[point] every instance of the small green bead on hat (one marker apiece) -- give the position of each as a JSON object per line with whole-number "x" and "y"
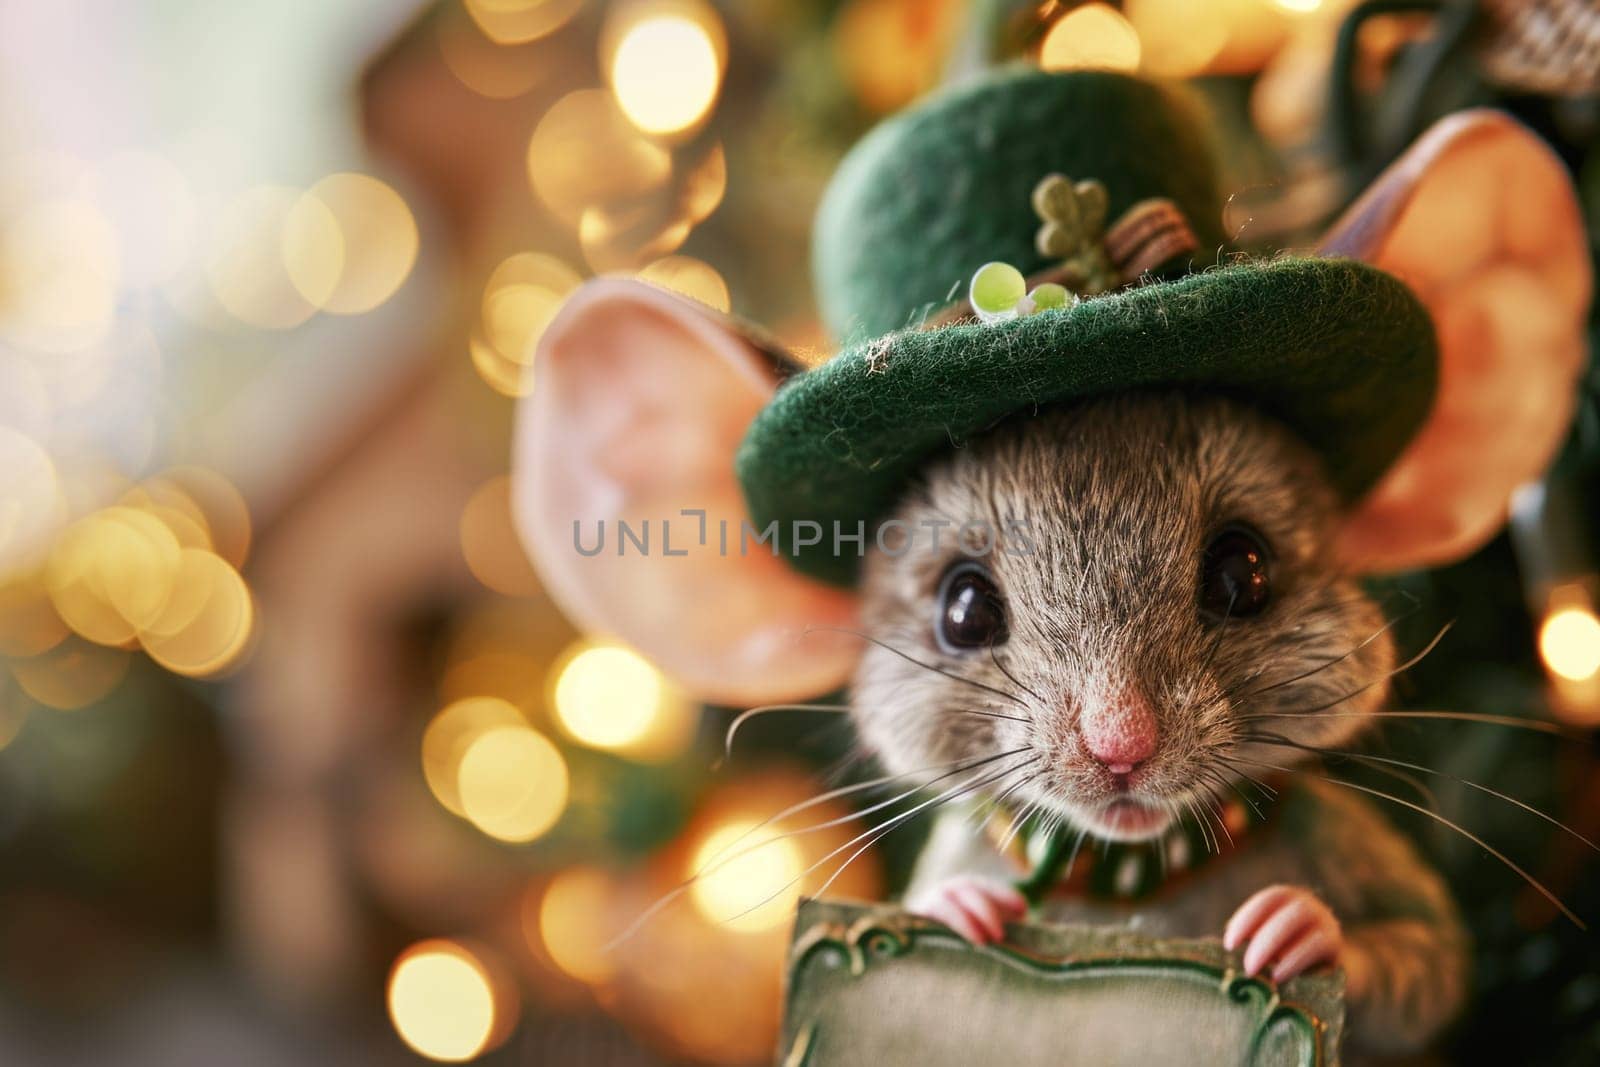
{"x": 1036, "y": 238}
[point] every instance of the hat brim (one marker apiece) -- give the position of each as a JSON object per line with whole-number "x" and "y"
{"x": 1340, "y": 352}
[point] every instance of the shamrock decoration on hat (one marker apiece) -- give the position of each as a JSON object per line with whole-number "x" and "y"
{"x": 1030, "y": 239}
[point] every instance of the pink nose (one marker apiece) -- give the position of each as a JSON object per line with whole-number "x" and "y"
{"x": 1121, "y": 733}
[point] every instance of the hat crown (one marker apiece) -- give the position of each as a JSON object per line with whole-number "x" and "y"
{"x": 935, "y": 192}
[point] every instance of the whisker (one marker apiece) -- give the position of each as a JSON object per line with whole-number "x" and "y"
{"x": 1407, "y": 665}
{"x": 1508, "y": 798}
{"x": 1539, "y": 725}
{"x": 717, "y": 864}
{"x": 1001, "y": 667}
{"x": 767, "y": 709}
{"x": 1216, "y": 776}
{"x": 1463, "y": 831}
{"x": 1374, "y": 762}
{"x": 952, "y": 768}
{"x": 1072, "y": 857}
{"x": 1266, "y": 790}
{"x": 1018, "y": 819}
{"x": 1385, "y": 628}
{"x": 989, "y": 714}
{"x": 1204, "y": 828}
{"x": 1001, "y": 799}
{"x": 881, "y": 831}
{"x": 925, "y": 666}
{"x": 1208, "y": 803}
{"x": 1222, "y": 628}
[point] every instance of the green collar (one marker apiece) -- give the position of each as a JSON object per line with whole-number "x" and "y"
{"x": 1063, "y": 859}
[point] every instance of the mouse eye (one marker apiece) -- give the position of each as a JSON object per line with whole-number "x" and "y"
{"x": 972, "y": 614}
{"x": 1233, "y": 575}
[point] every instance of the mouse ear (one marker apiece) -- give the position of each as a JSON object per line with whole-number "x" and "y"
{"x": 1480, "y": 219}
{"x": 641, "y": 399}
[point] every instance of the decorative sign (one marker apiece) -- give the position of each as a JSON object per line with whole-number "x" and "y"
{"x": 872, "y": 986}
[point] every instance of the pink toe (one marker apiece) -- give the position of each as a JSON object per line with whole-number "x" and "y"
{"x": 983, "y": 910}
{"x": 1252, "y": 913}
{"x": 1315, "y": 947}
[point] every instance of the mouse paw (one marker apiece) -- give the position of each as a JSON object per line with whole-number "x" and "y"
{"x": 1285, "y": 926}
{"x": 975, "y": 908}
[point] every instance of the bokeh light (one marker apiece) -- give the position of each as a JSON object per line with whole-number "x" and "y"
{"x": 72, "y": 675}
{"x": 135, "y": 563}
{"x": 29, "y": 624}
{"x": 1178, "y": 38}
{"x": 451, "y": 733}
{"x": 124, "y": 573}
{"x": 520, "y": 21}
{"x": 520, "y": 298}
{"x": 665, "y": 71}
{"x": 585, "y": 152}
{"x": 497, "y": 71}
{"x": 205, "y": 624}
{"x": 690, "y": 277}
{"x": 705, "y": 185}
{"x": 621, "y": 240}
{"x": 32, "y": 506}
{"x": 505, "y": 376}
{"x": 441, "y": 1001}
{"x": 274, "y": 257}
{"x": 749, "y": 878}
{"x": 571, "y": 920}
{"x": 611, "y": 698}
{"x": 489, "y": 541}
{"x": 208, "y": 496}
{"x": 1569, "y": 642}
{"x": 76, "y": 573}
{"x": 892, "y": 51}
{"x": 377, "y": 246}
{"x": 62, "y": 270}
{"x": 513, "y": 783}
{"x": 1094, "y": 36}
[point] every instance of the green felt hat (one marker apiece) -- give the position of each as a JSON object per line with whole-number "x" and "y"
{"x": 996, "y": 170}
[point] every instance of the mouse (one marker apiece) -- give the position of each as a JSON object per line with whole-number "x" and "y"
{"x": 1088, "y": 565}
{"x": 1168, "y": 634}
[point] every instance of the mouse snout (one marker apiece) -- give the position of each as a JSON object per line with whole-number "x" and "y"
{"x": 1120, "y": 733}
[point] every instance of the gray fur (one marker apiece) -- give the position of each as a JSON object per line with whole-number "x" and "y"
{"x": 1119, "y": 498}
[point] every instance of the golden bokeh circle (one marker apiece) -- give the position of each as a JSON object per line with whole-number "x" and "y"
{"x": 490, "y": 545}
{"x": 255, "y": 240}
{"x": 520, "y": 21}
{"x": 441, "y": 1001}
{"x": 585, "y": 152}
{"x": 1569, "y": 643}
{"x": 72, "y": 675}
{"x": 572, "y": 923}
{"x": 665, "y": 71}
{"x": 451, "y": 733}
{"x": 32, "y": 506}
{"x": 748, "y": 876}
{"x": 690, "y": 277}
{"x": 1093, "y": 37}
{"x": 375, "y": 252}
{"x": 206, "y": 624}
{"x": 62, "y": 273}
{"x": 513, "y": 783}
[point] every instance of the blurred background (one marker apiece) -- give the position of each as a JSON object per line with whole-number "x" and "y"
{"x": 297, "y": 762}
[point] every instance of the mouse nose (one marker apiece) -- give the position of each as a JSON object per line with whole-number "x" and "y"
{"x": 1121, "y": 733}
